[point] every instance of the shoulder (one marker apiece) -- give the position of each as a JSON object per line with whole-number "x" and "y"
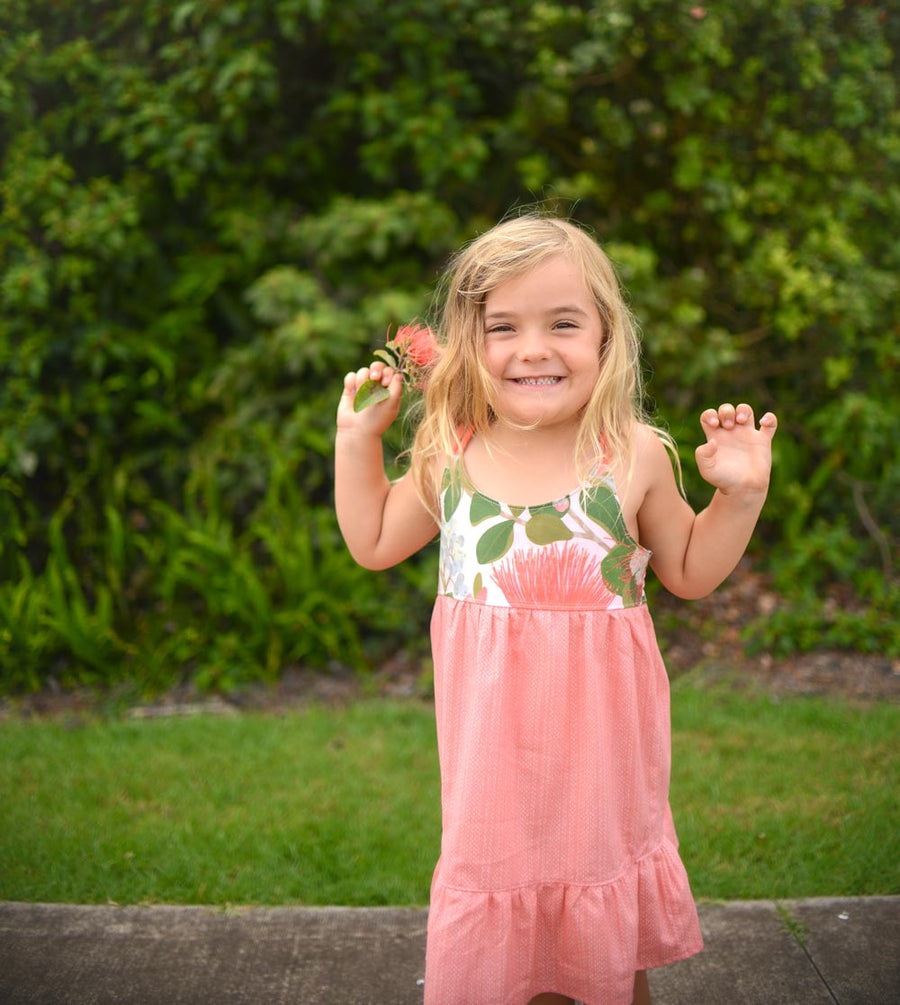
{"x": 640, "y": 469}
{"x": 654, "y": 467}
{"x": 650, "y": 437}
{"x": 652, "y": 452}
{"x": 428, "y": 476}
{"x": 661, "y": 505}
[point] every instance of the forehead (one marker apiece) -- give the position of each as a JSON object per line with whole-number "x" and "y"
{"x": 554, "y": 282}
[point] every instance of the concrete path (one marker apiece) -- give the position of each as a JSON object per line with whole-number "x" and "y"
{"x": 806, "y": 952}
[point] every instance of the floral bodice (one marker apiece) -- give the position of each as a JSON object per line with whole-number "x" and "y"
{"x": 572, "y": 553}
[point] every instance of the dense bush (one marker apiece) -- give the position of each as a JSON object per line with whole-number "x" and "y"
{"x": 211, "y": 209}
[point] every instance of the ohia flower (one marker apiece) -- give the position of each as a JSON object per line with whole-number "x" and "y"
{"x": 411, "y": 352}
{"x": 417, "y": 342}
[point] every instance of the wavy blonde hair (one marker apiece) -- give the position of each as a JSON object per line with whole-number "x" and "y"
{"x": 460, "y": 395}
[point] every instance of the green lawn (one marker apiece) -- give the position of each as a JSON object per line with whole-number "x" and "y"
{"x": 788, "y": 799}
{"x": 341, "y": 805}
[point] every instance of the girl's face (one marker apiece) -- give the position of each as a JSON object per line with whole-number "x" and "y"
{"x": 543, "y": 335}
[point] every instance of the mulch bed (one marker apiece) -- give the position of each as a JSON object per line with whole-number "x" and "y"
{"x": 705, "y": 642}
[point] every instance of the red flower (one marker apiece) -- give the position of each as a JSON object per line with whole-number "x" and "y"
{"x": 411, "y": 352}
{"x": 417, "y": 343}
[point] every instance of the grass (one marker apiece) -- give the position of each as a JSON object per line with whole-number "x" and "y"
{"x": 786, "y": 799}
{"x": 317, "y": 807}
{"x": 341, "y": 805}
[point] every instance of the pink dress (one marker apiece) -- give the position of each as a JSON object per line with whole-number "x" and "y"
{"x": 559, "y": 867}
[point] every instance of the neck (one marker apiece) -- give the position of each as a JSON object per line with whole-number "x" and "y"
{"x": 524, "y": 466}
{"x": 556, "y": 440}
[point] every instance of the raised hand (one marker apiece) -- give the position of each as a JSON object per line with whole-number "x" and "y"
{"x": 737, "y": 456}
{"x": 377, "y": 418}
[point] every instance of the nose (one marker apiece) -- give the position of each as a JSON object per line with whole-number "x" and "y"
{"x": 532, "y": 346}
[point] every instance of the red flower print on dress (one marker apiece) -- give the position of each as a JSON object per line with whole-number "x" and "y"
{"x": 555, "y": 575}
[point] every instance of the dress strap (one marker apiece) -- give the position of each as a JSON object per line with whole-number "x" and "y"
{"x": 463, "y": 438}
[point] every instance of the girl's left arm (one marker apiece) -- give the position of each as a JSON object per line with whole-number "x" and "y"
{"x": 694, "y": 553}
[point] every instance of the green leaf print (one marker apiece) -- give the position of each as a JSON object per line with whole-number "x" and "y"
{"x": 482, "y": 508}
{"x": 495, "y": 542}
{"x": 618, "y": 575}
{"x": 452, "y": 494}
{"x": 603, "y": 508}
{"x": 544, "y": 528}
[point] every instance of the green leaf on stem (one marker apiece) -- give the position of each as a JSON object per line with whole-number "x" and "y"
{"x": 389, "y": 356}
{"x": 369, "y": 393}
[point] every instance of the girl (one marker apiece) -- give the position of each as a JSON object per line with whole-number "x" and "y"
{"x": 559, "y": 876}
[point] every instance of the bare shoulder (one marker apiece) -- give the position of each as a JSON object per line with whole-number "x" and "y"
{"x": 651, "y": 457}
{"x": 663, "y": 516}
{"x": 643, "y": 469}
{"x": 434, "y": 469}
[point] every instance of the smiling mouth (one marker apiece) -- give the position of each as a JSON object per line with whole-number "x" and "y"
{"x": 536, "y": 381}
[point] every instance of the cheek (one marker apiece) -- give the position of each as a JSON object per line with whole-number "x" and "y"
{"x": 587, "y": 363}
{"x": 492, "y": 358}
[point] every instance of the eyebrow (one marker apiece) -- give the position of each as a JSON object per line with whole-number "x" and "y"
{"x": 563, "y": 309}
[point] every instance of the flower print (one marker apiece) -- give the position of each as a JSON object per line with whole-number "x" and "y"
{"x": 624, "y": 569}
{"x": 453, "y": 562}
{"x": 638, "y": 566}
{"x": 564, "y": 575}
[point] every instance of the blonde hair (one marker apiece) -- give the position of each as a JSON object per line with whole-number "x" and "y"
{"x": 460, "y": 395}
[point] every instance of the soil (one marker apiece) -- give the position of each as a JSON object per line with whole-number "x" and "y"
{"x": 706, "y": 642}
{"x": 702, "y": 639}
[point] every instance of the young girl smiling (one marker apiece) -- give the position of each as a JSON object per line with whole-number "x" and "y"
{"x": 559, "y": 877}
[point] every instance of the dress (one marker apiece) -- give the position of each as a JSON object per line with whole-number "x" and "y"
{"x": 559, "y": 867}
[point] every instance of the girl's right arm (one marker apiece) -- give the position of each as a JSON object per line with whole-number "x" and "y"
{"x": 382, "y": 522}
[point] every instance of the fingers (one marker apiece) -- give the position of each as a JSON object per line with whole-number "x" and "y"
{"x": 737, "y": 456}
{"x": 726, "y": 416}
{"x": 379, "y": 372}
{"x": 377, "y": 418}
{"x": 769, "y": 423}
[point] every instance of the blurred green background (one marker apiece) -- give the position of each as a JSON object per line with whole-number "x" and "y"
{"x": 210, "y": 210}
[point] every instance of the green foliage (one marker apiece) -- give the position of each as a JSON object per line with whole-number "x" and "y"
{"x": 209, "y": 211}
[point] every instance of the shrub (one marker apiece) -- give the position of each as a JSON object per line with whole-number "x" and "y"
{"x": 211, "y": 210}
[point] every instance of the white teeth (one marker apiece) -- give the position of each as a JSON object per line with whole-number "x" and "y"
{"x": 538, "y": 381}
